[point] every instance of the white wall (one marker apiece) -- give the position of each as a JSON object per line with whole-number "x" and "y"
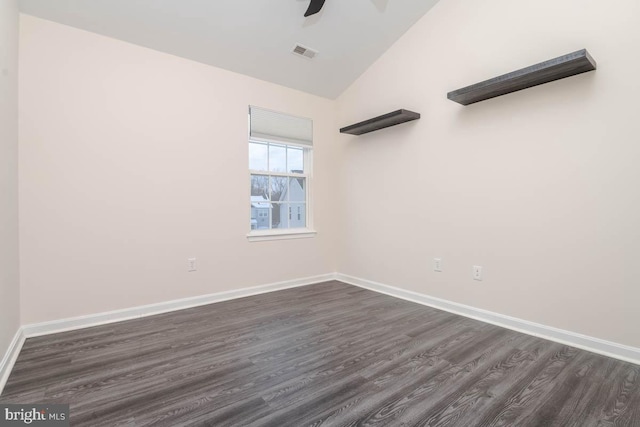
{"x": 132, "y": 161}
{"x": 9, "y": 265}
{"x": 539, "y": 187}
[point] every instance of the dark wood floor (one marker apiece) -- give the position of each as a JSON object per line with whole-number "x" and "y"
{"x": 328, "y": 354}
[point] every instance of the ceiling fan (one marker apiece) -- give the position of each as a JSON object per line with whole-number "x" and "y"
{"x": 314, "y": 7}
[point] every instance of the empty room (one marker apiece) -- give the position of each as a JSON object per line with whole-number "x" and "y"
{"x": 319, "y": 213}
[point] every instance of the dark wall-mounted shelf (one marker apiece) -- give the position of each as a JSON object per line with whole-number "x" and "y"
{"x": 544, "y": 72}
{"x": 381, "y": 122}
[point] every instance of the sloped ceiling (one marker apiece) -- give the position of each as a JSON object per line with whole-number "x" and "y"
{"x": 252, "y": 37}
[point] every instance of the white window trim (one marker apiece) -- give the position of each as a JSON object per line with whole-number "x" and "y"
{"x": 283, "y": 234}
{"x": 288, "y": 233}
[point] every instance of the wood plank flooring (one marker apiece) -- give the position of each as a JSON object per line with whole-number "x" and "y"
{"x": 322, "y": 355}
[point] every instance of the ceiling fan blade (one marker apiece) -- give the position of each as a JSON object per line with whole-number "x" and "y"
{"x": 314, "y": 7}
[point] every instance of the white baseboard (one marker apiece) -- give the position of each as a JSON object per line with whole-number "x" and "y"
{"x": 9, "y": 359}
{"x": 584, "y": 342}
{"x": 595, "y": 345}
{"x": 63, "y": 325}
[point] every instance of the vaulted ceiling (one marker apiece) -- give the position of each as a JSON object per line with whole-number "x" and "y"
{"x": 252, "y": 37}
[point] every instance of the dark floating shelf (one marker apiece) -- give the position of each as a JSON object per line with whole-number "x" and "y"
{"x": 544, "y": 72}
{"x": 381, "y": 122}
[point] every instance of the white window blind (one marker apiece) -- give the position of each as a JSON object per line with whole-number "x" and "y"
{"x": 273, "y": 126}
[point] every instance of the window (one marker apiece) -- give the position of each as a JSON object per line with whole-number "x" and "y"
{"x": 280, "y": 150}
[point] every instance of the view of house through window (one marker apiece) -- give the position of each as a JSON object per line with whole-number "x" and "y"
{"x": 279, "y": 163}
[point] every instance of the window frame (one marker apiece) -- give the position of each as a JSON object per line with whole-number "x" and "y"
{"x": 255, "y": 235}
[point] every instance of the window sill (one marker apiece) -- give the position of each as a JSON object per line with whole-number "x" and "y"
{"x": 300, "y": 233}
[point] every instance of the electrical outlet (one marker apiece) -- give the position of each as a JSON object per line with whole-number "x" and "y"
{"x": 477, "y": 272}
{"x": 191, "y": 264}
{"x": 437, "y": 264}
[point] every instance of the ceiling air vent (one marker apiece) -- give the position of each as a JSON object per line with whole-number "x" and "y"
{"x": 304, "y": 51}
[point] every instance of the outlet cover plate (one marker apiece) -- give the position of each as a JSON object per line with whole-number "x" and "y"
{"x": 477, "y": 272}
